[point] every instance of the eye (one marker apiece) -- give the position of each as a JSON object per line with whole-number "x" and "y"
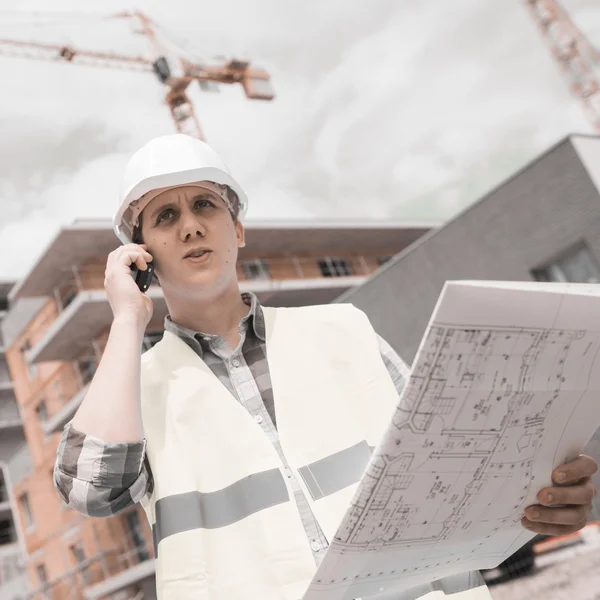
{"x": 164, "y": 213}
{"x": 203, "y": 201}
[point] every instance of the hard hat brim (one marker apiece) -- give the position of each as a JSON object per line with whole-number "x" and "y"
{"x": 179, "y": 178}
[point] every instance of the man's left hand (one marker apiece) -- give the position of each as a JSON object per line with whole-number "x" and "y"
{"x": 574, "y": 490}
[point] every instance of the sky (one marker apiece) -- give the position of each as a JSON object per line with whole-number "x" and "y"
{"x": 388, "y": 109}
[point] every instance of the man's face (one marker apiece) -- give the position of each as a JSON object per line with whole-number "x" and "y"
{"x": 186, "y": 218}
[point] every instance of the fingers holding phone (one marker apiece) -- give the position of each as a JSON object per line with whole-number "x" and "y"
{"x": 143, "y": 276}
{"x": 127, "y": 276}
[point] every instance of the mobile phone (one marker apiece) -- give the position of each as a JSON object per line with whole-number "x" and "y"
{"x": 143, "y": 279}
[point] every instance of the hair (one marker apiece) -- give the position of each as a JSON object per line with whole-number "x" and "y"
{"x": 138, "y": 238}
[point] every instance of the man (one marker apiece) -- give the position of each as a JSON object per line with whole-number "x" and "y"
{"x": 239, "y": 402}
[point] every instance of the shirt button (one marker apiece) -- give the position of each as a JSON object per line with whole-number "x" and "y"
{"x": 235, "y": 362}
{"x": 315, "y": 546}
{"x": 258, "y": 418}
{"x": 288, "y": 472}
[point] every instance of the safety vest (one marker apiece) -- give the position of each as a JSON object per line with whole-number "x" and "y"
{"x": 223, "y": 515}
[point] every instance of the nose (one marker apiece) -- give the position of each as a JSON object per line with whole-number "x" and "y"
{"x": 191, "y": 226}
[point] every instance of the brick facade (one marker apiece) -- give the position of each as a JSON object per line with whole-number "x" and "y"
{"x": 56, "y": 528}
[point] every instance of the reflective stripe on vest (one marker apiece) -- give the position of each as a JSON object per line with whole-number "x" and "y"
{"x": 337, "y": 471}
{"x": 198, "y": 510}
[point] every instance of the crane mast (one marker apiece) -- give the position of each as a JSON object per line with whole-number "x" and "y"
{"x": 575, "y": 56}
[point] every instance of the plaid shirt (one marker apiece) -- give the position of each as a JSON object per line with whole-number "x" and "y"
{"x": 101, "y": 479}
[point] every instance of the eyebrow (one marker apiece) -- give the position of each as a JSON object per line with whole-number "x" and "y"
{"x": 201, "y": 196}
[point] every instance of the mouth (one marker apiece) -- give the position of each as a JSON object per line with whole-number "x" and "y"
{"x": 198, "y": 253}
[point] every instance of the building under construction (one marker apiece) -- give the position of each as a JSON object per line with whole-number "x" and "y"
{"x": 55, "y": 333}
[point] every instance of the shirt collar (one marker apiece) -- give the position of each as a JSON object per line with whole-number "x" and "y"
{"x": 255, "y": 319}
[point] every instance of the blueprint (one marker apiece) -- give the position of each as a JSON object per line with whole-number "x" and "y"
{"x": 503, "y": 389}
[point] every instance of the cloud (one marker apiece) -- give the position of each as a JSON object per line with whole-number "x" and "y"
{"x": 427, "y": 108}
{"x": 42, "y": 160}
{"x": 20, "y": 244}
{"x": 383, "y": 109}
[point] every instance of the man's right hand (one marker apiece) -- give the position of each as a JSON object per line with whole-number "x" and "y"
{"x": 124, "y": 296}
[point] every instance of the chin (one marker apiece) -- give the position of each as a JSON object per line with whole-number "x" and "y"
{"x": 203, "y": 284}
{"x": 200, "y": 281}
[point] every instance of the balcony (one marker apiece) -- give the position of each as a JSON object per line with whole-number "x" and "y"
{"x": 128, "y": 577}
{"x": 13, "y": 589}
{"x": 289, "y": 281}
{"x": 89, "y": 571}
{"x": 302, "y": 281}
{"x": 14, "y": 582}
{"x": 20, "y": 464}
{"x": 10, "y": 417}
{"x": 96, "y": 577}
{"x": 6, "y": 385}
{"x": 73, "y": 389}
{"x": 282, "y": 282}
{"x": 82, "y": 320}
{"x": 300, "y": 292}
{"x": 135, "y": 563}
{"x": 105, "y": 565}
{"x": 71, "y": 384}
{"x": 5, "y": 507}
{"x": 57, "y": 422}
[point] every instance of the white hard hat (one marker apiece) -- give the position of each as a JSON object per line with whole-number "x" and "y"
{"x": 165, "y": 162}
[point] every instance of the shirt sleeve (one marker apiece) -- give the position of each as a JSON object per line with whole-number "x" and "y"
{"x": 100, "y": 479}
{"x": 397, "y": 368}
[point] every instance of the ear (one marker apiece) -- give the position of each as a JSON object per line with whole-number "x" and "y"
{"x": 240, "y": 233}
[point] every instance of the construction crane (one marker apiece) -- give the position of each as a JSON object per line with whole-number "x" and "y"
{"x": 175, "y": 77}
{"x": 573, "y": 53}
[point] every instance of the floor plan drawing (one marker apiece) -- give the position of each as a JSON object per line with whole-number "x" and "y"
{"x": 493, "y": 404}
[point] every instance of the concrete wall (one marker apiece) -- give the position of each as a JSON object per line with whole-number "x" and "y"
{"x": 588, "y": 150}
{"x": 548, "y": 207}
{"x": 527, "y": 221}
{"x": 19, "y": 316}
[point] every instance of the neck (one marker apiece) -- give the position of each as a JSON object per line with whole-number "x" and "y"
{"x": 219, "y": 315}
